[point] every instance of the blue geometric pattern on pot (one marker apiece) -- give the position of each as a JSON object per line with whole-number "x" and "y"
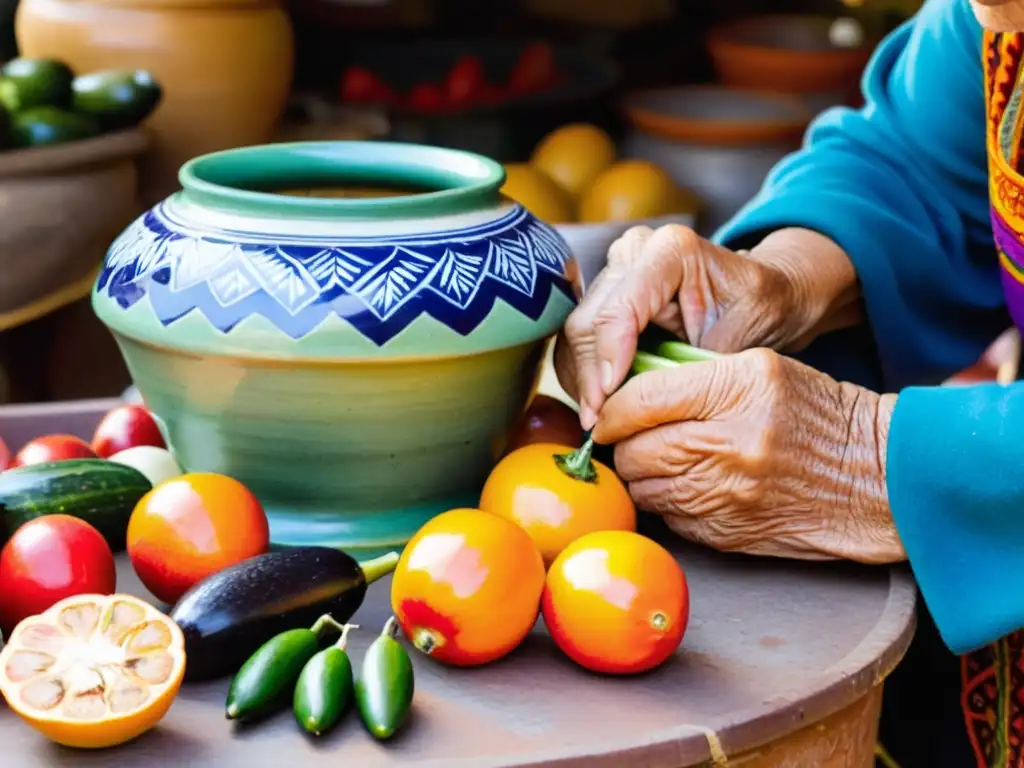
{"x": 378, "y": 285}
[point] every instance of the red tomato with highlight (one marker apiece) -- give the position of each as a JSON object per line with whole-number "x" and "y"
{"x": 362, "y": 86}
{"x": 52, "y": 448}
{"x": 48, "y": 559}
{"x": 127, "y": 426}
{"x": 535, "y": 69}
{"x": 465, "y": 82}
{"x": 616, "y": 602}
{"x": 192, "y": 527}
{"x": 5, "y": 455}
{"x": 547, "y": 420}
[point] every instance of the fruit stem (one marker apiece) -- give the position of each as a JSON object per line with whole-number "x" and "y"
{"x": 390, "y": 627}
{"x": 425, "y": 641}
{"x": 577, "y": 464}
{"x": 342, "y": 643}
{"x": 326, "y": 621}
{"x": 379, "y": 567}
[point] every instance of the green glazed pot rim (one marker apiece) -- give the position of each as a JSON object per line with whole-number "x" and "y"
{"x": 231, "y": 180}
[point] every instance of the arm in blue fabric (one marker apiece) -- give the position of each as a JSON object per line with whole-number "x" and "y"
{"x": 956, "y": 490}
{"x": 901, "y": 186}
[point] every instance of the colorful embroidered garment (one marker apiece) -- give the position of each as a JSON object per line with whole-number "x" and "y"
{"x": 993, "y": 678}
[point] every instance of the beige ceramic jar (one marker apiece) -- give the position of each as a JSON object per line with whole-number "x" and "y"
{"x": 225, "y": 66}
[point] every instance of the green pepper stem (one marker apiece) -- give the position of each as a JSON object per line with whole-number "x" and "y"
{"x": 342, "y": 643}
{"x": 324, "y": 622}
{"x": 578, "y": 464}
{"x": 379, "y": 567}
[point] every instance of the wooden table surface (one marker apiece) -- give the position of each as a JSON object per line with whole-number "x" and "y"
{"x": 773, "y": 647}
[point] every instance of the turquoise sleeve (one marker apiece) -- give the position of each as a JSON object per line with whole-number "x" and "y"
{"x": 955, "y": 475}
{"x": 902, "y": 186}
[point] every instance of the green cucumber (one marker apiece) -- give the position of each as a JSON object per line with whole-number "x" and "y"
{"x": 28, "y": 83}
{"x": 116, "y": 98}
{"x": 102, "y": 493}
{"x": 385, "y": 687}
{"x": 46, "y": 125}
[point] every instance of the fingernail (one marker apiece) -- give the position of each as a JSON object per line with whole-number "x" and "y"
{"x": 607, "y": 377}
{"x": 588, "y": 418}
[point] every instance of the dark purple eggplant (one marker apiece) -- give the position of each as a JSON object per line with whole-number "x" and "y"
{"x": 228, "y": 616}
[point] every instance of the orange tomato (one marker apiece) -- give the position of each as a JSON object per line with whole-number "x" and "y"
{"x": 191, "y": 527}
{"x": 467, "y": 589}
{"x": 616, "y": 602}
{"x": 532, "y": 488}
{"x": 547, "y": 420}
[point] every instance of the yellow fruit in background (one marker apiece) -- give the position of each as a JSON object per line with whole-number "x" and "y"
{"x": 634, "y": 189}
{"x": 574, "y": 155}
{"x": 537, "y": 193}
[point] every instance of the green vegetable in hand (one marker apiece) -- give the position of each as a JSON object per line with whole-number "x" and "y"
{"x": 325, "y": 688}
{"x": 385, "y": 687}
{"x": 266, "y": 681}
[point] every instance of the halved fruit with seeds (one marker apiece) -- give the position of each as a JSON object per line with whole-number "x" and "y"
{"x": 94, "y": 671}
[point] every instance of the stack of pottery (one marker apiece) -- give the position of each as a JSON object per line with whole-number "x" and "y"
{"x": 816, "y": 58}
{"x": 225, "y": 66}
{"x": 774, "y": 74}
{"x": 718, "y": 142}
{"x": 355, "y": 360}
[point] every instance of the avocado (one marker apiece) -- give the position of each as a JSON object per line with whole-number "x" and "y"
{"x": 116, "y": 98}
{"x": 28, "y": 83}
{"x": 41, "y": 126}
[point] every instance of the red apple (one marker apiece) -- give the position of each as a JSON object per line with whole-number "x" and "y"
{"x": 127, "y": 426}
{"x": 52, "y": 448}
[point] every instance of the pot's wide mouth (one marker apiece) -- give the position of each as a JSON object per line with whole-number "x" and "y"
{"x": 343, "y": 179}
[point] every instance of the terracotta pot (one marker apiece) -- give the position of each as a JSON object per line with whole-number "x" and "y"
{"x": 61, "y": 207}
{"x": 787, "y": 54}
{"x": 225, "y": 66}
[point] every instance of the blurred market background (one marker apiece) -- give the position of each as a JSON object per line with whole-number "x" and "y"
{"x": 694, "y": 100}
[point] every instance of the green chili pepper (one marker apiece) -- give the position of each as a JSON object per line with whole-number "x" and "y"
{"x": 266, "y": 680}
{"x": 324, "y": 690}
{"x": 385, "y": 687}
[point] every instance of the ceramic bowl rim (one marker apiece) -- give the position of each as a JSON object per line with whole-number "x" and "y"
{"x": 461, "y": 181}
{"x": 718, "y": 131}
{"x": 725, "y": 38}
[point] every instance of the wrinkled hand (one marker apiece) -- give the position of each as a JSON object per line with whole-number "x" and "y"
{"x": 757, "y": 453}
{"x": 780, "y": 295}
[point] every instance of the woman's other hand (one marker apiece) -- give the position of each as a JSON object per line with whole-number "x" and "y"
{"x": 793, "y": 286}
{"x": 758, "y": 453}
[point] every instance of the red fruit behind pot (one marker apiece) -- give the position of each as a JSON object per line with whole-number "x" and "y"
{"x": 48, "y": 559}
{"x": 52, "y": 448}
{"x": 535, "y": 70}
{"x": 547, "y": 420}
{"x": 5, "y": 455}
{"x": 465, "y": 82}
{"x": 127, "y": 426}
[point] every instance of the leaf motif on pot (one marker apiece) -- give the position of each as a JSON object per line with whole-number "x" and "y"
{"x": 232, "y": 285}
{"x": 198, "y": 260}
{"x": 284, "y": 278}
{"x": 394, "y": 281}
{"x": 379, "y": 285}
{"x": 511, "y": 260}
{"x": 458, "y": 277}
{"x": 333, "y": 267}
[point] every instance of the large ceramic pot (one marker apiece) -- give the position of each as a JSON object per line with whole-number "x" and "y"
{"x": 355, "y": 361}
{"x": 225, "y": 67}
